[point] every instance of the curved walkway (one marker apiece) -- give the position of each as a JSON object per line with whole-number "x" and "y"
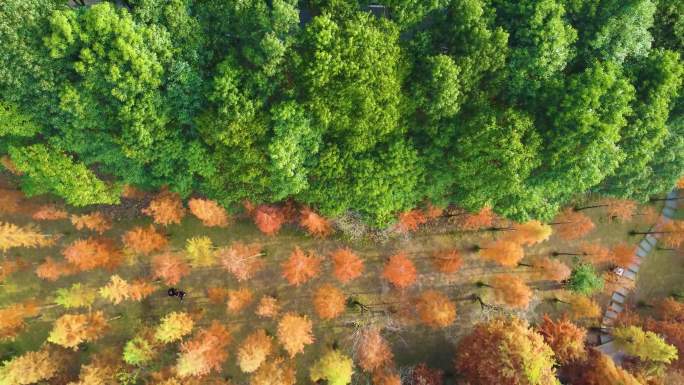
{"x": 618, "y": 299}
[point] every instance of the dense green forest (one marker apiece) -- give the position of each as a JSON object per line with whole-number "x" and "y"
{"x": 518, "y": 105}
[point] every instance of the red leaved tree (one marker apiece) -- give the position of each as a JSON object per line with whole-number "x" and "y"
{"x": 209, "y": 212}
{"x": 204, "y": 352}
{"x": 597, "y": 369}
{"x": 485, "y": 218}
{"x": 372, "y": 351}
{"x": 166, "y": 208}
{"x": 400, "y": 271}
{"x": 503, "y": 252}
{"x": 49, "y": 213}
{"x": 300, "y": 267}
{"x": 52, "y": 270}
{"x": 620, "y": 209}
{"x": 411, "y": 220}
{"x": 424, "y": 375}
{"x": 346, "y": 265}
{"x": 551, "y": 269}
{"x": 241, "y": 260}
{"x": 268, "y": 219}
{"x": 571, "y": 224}
{"x": 91, "y": 253}
{"x": 435, "y": 309}
{"x": 623, "y": 254}
{"x": 314, "y": 224}
{"x": 447, "y": 261}
{"x": 329, "y": 302}
{"x": 565, "y": 339}
{"x": 95, "y": 221}
{"x": 169, "y": 267}
{"x": 144, "y": 240}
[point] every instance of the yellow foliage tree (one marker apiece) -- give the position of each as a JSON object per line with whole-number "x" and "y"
{"x": 116, "y": 291}
{"x": 12, "y": 236}
{"x": 294, "y": 333}
{"x": 173, "y": 327}
{"x": 72, "y": 329}
{"x": 254, "y": 351}
{"x": 274, "y": 372}
{"x": 200, "y": 251}
{"x": 29, "y": 368}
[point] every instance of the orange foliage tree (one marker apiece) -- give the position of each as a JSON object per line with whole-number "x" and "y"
{"x": 329, "y": 302}
{"x": 12, "y": 235}
{"x": 346, "y": 265}
{"x": 372, "y": 351}
{"x": 623, "y": 254}
{"x": 95, "y": 221}
{"x": 72, "y": 329}
{"x": 423, "y": 375}
{"x": 268, "y": 307}
{"x": 239, "y": 299}
{"x": 268, "y": 219}
{"x": 400, "y": 271}
{"x": 386, "y": 376}
{"x": 116, "y": 291}
{"x": 169, "y": 267}
{"x": 10, "y": 266}
{"x": 91, "y": 253}
{"x": 166, "y": 208}
{"x": 503, "y": 252}
{"x": 204, "y": 352}
{"x": 571, "y": 224}
{"x": 511, "y": 290}
{"x": 314, "y": 224}
{"x": 294, "y": 333}
{"x": 564, "y": 337}
{"x": 529, "y": 233}
{"x": 620, "y": 209}
{"x": 551, "y": 269}
{"x": 144, "y": 240}
{"x": 410, "y": 220}
{"x": 300, "y": 267}
{"x": 13, "y": 318}
{"x": 502, "y": 352}
{"x": 29, "y": 368}
{"x": 447, "y": 261}
{"x": 435, "y": 309}
{"x": 141, "y": 289}
{"x": 52, "y": 270}
{"x": 254, "y": 351}
{"x": 483, "y": 219}
{"x": 217, "y": 295}
{"x": 579, "y": 306}
{"x": 432, "y": 211}
{"x": 209, "y": 212}
{"x": 49, "y": 213}
{"x": 274, "y": 372}
{"x": 241, "y": 260}
{"x": 672, "y": 233}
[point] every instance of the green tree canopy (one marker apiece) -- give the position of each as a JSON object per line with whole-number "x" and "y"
{"x": 585, "y": 280}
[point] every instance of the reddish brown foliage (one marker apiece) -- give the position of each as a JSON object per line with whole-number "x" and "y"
{"x": 9, "y": 267}
{"x": 571, "y": 224}
{"x": 91, "y": 253}
{"x": 423, "y": 375}
{"x": 483, "y": 219}
{"x": 294, "y": 333}
{"x": 166, "y": 208}
{"x": 329, "y": 302}
{"x": 623, "y": 254}
{"x": 144, "y": 240}
{"x": 552, "y": 269}
{"x": 300, "y": 267}
{"x": 435, "y": 309}
{"x": 49, "y": 213}
{"x": 410, "y": 220}
{"x": 346, "y": 265}
{"x": 433, "y": 212}
{"x": 598, "y": 369}
{"x": 140, "y": 289}
{"x": 52, "y": 270}
{"x": 12, "y": 318}
{"x": 669, "y": 309}
{"x": 241, "y": 260}
{"x": 274, "y": 372}
{"x": 268, "y": 307}
{"x": 565, "y": 339}
{"x": 512, "y": 291}
{"x": 204, "y": 352}
{"x": 595, "y": 252}
{"x": 268, "y": 219}
{"x": 315, "y": 224}
{"x": 529, "y": 233}
{"x": 447, "y": 261}
{"x": 620, "y": 209}
{"x": 505, "y": 253}
{"x": 209, "y": 212}
{"x": 94, "y": 221}
{"x": 672, "y": 233}
{"x": 10, "y": 201}
{"x": 239, "y": 299}
{"x": 673, "y": 333}
{"x": 386, "y": 376}
{"x": 400, "y": 271}
{"x": 372, "y": 351}
{"x": 169, "y": 267}
{"x": 217, "y": 295}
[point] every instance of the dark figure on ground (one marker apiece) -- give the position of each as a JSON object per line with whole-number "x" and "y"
{"x": 173, "y": 292}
